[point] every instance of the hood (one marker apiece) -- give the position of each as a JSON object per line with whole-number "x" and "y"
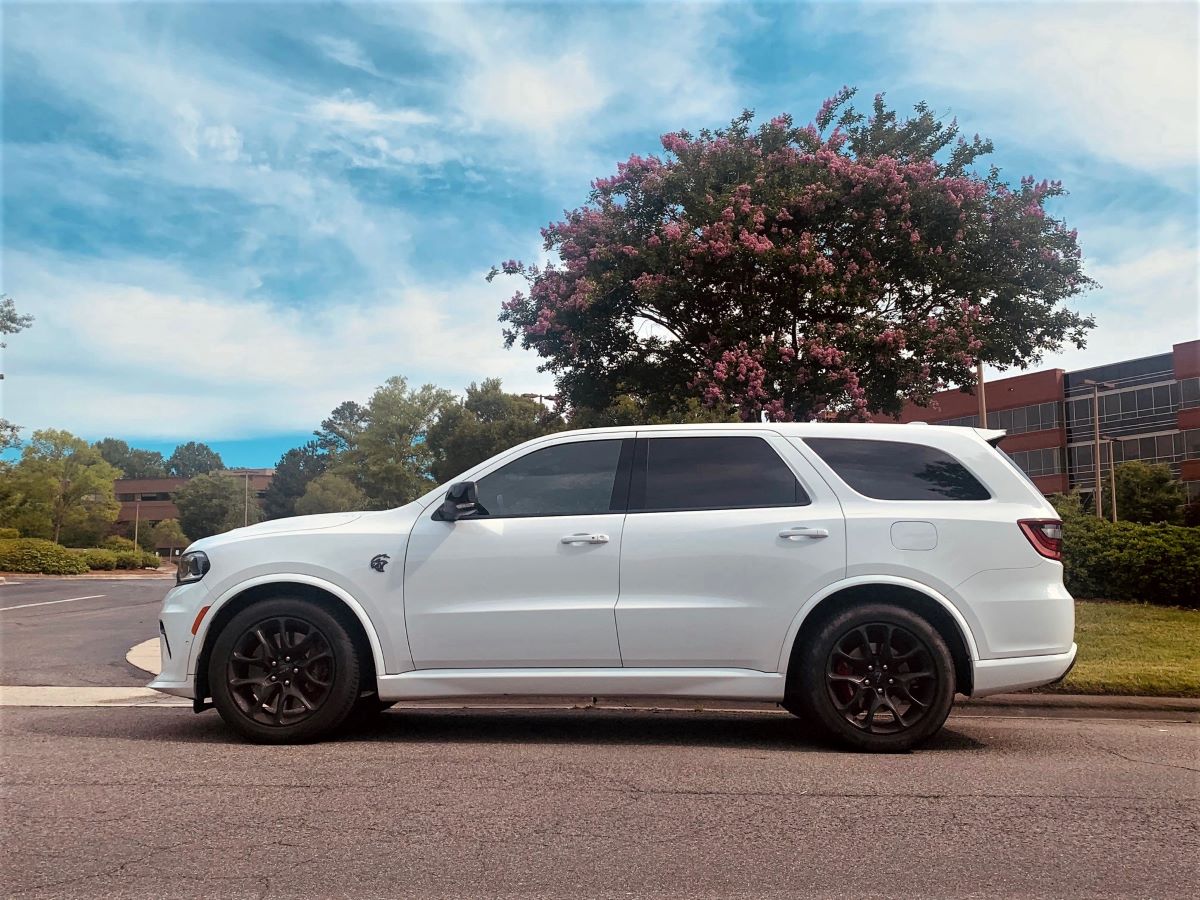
{"x": 280, "y": 526}
{"x": 298, "y": 523}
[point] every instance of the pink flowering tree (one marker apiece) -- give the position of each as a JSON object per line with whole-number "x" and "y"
{"x": 831, "y": 270}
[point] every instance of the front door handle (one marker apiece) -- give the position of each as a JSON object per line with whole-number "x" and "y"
{"x": 584, "y": 538}
{"x": 792, "y": 534}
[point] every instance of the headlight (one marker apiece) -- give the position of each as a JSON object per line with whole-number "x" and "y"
{"x": 193, "y": 566}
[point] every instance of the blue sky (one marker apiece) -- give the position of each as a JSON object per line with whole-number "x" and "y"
{"x": 228, "y": 219}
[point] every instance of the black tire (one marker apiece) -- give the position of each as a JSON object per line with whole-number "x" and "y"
{"x": 859, "y": 677}
{"x": 307, "y": 697}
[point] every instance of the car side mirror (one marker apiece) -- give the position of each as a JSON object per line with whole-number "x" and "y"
{"x": 462, "y": 500}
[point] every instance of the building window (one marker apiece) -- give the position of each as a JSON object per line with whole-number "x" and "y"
{"x": 1046, "y": 461}
{"x": 1190, "y": 391}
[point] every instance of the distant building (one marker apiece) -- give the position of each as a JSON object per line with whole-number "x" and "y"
{"x": 1149, "y": 410}
{"x": 149, "y": 501}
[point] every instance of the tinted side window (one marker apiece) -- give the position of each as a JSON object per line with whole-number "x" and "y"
{"x": 564, "y": 480}
{"x": 891, "y": 470}
{"x": 713, "y": 473}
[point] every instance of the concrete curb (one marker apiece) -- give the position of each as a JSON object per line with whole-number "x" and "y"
{"x": 108, "y": 575}
{"x": 1086, "y": 701}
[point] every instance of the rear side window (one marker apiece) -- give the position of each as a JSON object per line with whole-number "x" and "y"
{"x": 711, "y": 473}
{"x": 891, "y": 470}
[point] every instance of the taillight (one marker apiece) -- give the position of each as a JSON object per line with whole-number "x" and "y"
{"x": 1045, "y": 535}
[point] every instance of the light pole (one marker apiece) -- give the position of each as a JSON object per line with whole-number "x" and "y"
{"x": 1098, "y": 492}
{"x": 1112, "y": 473}
{"x": 981, "y": 393}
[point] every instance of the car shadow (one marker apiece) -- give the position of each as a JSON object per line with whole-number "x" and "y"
{"x": 760, "y": 731}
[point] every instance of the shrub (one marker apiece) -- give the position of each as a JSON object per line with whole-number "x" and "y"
{"x": 1157, "y": 564}
{"x": 9, "y": 534}
{"x": 137, "y": 559}
{"x": 117, "y": 543}
{"x": 129, "y": 559}
{"x": 36, "y": 556}
{"x": 99, "y": 559}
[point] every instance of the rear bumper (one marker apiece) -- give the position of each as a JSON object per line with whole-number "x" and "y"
{"x": 995, "y": 676}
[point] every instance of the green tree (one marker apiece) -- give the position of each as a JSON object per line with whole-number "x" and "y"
{"x": 1149, "y": 493}
{"x": 830, "y": 270}
{"x": 339, "y": 432}
{"x": 390, "y": 459}
{"x": 329, "y": 493}
{"x": 293, "y": 473}
{"x": 63, "y": 489}
{"x": 10, "y": 323}
{"x": 132, "y": 462}
{"x": 213, "y": 503}
{"x": 169, "y": 533}
{"x": 192, "y": 459}
{"x": 487, "y": 421}
{"x": 627, "y": 410}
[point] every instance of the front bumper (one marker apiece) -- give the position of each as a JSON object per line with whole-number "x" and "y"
{"x": 175, "y": 639}
{"x": 995, "y": 676}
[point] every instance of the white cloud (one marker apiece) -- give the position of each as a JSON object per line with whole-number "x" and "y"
{"x": 148, "y": 352}
{"x": 346, "y": 52}
{"x": 1114, "y": 81}
{"x": 365, "y": 114}
{"x": 537, "y": 96}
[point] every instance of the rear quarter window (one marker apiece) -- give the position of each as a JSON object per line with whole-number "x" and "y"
{"x": 895, "y": 470}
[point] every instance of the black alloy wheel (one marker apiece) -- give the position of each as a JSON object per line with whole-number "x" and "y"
{"x": 285, "y": 670}
{"x": 877, "y": 677}
{"x": 281, "y": 671}
{"x": 881, "y": 678}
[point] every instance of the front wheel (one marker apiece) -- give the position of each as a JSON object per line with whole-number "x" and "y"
{"x": 283, "y": 671}
{"x": 876, "y": 677}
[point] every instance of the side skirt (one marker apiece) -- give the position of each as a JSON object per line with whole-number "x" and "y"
{"x": 724, "y": 684}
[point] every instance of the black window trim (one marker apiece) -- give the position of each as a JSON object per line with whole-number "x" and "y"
{"x": 637, "y": 490}
{"x": 624, "y": 467}
{"x": 991, "y": 496}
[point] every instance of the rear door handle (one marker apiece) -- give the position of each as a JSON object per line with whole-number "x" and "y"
{"x": 584, "y": 538}
{"x": 792, "y": 534}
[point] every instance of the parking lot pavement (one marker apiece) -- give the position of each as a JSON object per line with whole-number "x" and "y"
{"x": 76, "y": 631}
{"x": 553, "y": 803}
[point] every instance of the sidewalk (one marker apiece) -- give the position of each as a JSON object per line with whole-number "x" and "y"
{"x": 104, "y": 575}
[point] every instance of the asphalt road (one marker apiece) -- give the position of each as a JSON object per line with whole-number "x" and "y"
{"x": 163, "y": 803}
{"x": 159, "y": 802}
{"x": 80, "y": 642}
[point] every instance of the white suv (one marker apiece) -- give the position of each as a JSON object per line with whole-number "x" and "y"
{"x": 860, "y": 575}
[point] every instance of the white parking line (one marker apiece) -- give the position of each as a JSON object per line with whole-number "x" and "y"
{"x": 49, "y": 602}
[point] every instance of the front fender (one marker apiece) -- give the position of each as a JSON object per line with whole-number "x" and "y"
{"x": 287, "y": 578}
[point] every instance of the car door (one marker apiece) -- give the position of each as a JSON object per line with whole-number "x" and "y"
{"x": 728, "y": 534}
{"x": 532, "y": 580}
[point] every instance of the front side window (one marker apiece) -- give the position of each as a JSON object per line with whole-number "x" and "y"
{"x": 575, "y": 479}
{"x": 892, "y": 470}
{"x": 682, "y": 473}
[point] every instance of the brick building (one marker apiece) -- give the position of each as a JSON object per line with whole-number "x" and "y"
{"x": 1149, "y": 410}
{"x": 151, "y": 500}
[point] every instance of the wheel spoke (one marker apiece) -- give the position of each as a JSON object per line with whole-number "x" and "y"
{"x": 284, "y": 643}
{"x": 269, "y": 649}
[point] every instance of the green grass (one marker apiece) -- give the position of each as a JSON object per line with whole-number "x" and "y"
{"x": 1135, "y": 648}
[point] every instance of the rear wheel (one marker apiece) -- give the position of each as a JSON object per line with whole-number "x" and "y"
{"x": 284, "y": 670}
{"x": 876, "y": 677}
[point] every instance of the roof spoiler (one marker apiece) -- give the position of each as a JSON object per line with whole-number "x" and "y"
{"x": 992, "y": 435}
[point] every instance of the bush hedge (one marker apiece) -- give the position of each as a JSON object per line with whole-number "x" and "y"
{"x": 1157, "y": 564}
{"x": 117, "y": 543}
{"x": 9, "y": 534}
{"x": 35, "y": 556}
{"x": 104, "y": 560}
